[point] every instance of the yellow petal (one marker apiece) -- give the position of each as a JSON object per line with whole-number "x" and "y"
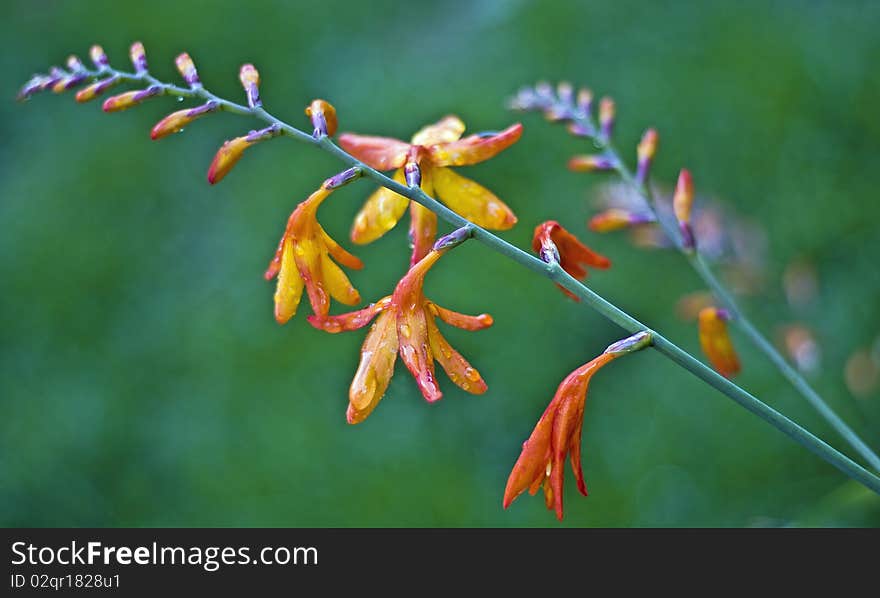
{"x": 383, "y": 210}
{"x": 290, "y": 286}
{"x": 446, "y": 130}
{"x": 376, "y": 367}
{"x": 337, "y": 282}
{"x": 471, "y": 200}
{"x": 457, "y": 367}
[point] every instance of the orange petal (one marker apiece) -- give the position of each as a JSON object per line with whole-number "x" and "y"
{"x": 376, "y": 367}
{"x": 350, "y": 321}
{"x": 446, "y": 130}
{"x": 573, "y": 254}
{"x": 422, "y": 231}
{"x": 412, "y": 334}
{"x": 471, "y": 200}
{"x": 531, "y": 465}
{"x": 453, "y": 318}
{"x": 339, "y": 254}
{"x": 381, "y": 153}
{"x": 474, "y": 149}
{"x": 715, "y": 341}
{"x": 380, "y": 213}
{"x": 307, "y": 254}
{"x": 457, "y": 368}
{"x": 288, "y": 290}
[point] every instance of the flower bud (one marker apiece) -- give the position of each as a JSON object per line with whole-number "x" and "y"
{"x": 98, "y": 56}
{"x": 585, "y": 102}
{"x": 323, "y": 116}
{"x": 138, "y": 57}
{"x": 682, "y": 201}
{"x": 614, "y": 219}
{"x": 630, "y": 344}
{"x": 412, "y": 174}
{"x": 715, "y": 341}
{"x": 187, "y": 70}
{"x": 231, "y": 151}
{"x": 35, "y": 84}
{"x": 95, "y": 89}
{"x": 126, "y": 100}
{"x": 76, "y": 76}
{"x": 343, "y": 178}
{"x": 606, "y": 117}
{"x": 174, "y": 122}
{"x": 250, "y": 80}
{"x": 590, "y": 163}
{"x": 646, "y": 150}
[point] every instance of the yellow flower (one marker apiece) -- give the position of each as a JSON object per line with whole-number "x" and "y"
{"x": 432, "y": 150}
{"x": 302, "y": 260}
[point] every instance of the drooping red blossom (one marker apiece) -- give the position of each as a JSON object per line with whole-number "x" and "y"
{"x": 574, "y": 256}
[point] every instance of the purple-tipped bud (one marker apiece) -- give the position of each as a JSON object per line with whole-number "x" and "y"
{"x": 187, "y": 69}
{"x": 263, "y": 134}
{"x": 585, "y": 102}
{"x": 525, "y": 99}
{"x": 639, "y": 340}
{"x": 455, "y": 238}
{"x": 413, "y": 174}
{"x": 98, "y": 56}
{"x": 35, "y": 84}
{"x": 343, "y": 178}
{"x": 74, "y": 64}
{"x": 723, "y": 314}
{"x": 606, "y": 117}
{"x": 250, "y": 80}
{"x": 646, "y": 151}
{"x": 138, "y": 57}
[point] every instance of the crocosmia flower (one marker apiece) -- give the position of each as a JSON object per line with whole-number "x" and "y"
{"x": 302, "y": 260}
{"x": 558, "y": 433}
{"x": 573, "y": 256}
{"x": 433, "y": 150}
{"x": 405, "y": 325}
{"x": 716, "y": 343}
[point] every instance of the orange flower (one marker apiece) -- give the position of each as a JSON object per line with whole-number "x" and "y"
{"x": 302, "y": 260}
{"x": 231, "y": 151}
{"x": 433, "y": 149}
{"x": 323, "y": 116}
{"x": 715, "y": 341}
{"x": 558, "y": 433}
{"x": 552, "y": 242}
{"x": 405, "y": 325}
{"x": 128, "y": 99}
{"x": 176, "y": 121}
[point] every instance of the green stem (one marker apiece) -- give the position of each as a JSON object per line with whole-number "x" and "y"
{"x": 552, "y": 271}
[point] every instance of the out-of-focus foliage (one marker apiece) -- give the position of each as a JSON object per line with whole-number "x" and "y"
{"x": 144, "y": 381}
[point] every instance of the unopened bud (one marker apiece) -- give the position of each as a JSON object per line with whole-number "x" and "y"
{"x": 187, "y": 69}
{"x": 630, "y": 344}
{"x": 126, "y": 100}
{"x": 646, "y": 151}
{"x": 682, "y": 202}
{"x": 590, "y": 163}
{"x": 176, "y": 121}
{"x": 455, "y": 238}
{"x": 413, "y": 174}
{"x": 616, "y": 218}
{"x": 98, "y": 56}
{"x": 97, "y": 88}
{"x": 606, "y": 117}
{"x": 138, "y": 57}
{"x": 323, "y": 116}
{"x": 343, "y": 178}
{"x": 250, "y": 80}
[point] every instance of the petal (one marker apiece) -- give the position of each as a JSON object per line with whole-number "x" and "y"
{"x": 351, "y": 321}
{"x": 471, "y": 200}
{"x": 457, "y": 368}
{"x": 574, "y": 451}
{"x": 383, "y": 210}
{"x": 529, "y": 469}
{"x": 307, "y": 254}
{"x": 376, "y": 367}
{"x": 339, "y": 254}
{"x": 474, "y": 148}
{"x": 288, "y": 290}
{"x": 381, "y": 153}
{"x": 422, "y": 231}
{"x": 337, "y": 282}
{"x": 453, "y": 318}
{"x": 412, "y": 334}
{"x": 446, "y": 130}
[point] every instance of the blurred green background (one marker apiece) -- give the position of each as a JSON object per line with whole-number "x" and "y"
{"x": 144, "y": 382}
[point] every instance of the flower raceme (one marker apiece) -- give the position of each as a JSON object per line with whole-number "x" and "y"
{"x": 302, "y": 260}
{"x": 541, "y": 463}
{"x": 555, "y": 244}
{"x": 429, "y": 155}
{"x": 405, "y": 325}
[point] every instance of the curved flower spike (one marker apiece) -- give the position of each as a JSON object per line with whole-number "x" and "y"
{"x": 405, "y": 325}
{"x": 302, "y": 260}
{"x": 176, "y": 121}
{"x": 574, "y": 256}
{"x": 323, "y": 116}
{"x": 432, "y": 150}
{"x": 558, "y": 433}
{"x": 715, "y": 341}
{"x": 231, "y": 151}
